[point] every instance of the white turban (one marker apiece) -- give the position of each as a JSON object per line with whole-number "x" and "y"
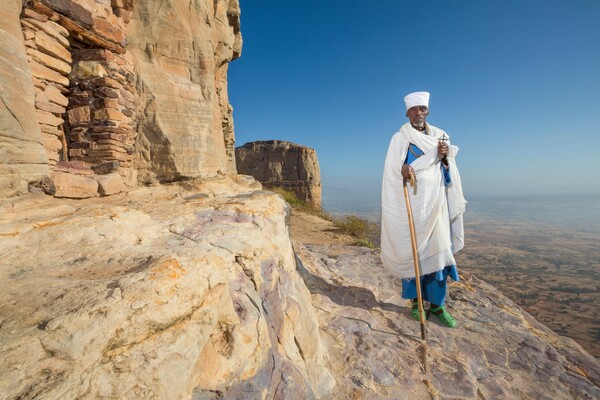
{"x": 416, "y": 99}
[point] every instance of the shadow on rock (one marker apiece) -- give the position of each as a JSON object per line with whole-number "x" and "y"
{"x": 350, "y": 296}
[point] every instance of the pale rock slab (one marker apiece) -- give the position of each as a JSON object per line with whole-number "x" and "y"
{"x": 109, "y": 184}
{"x": 172, "y": 292}
{"x": 73, "y": 186}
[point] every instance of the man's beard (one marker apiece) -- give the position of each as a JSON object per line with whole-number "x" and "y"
{"x": 419, "y": 123}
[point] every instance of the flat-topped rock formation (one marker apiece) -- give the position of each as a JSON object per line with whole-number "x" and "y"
{"x": 277, "y": 163}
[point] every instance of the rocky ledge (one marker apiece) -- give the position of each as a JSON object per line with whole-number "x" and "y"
{"x": 195, "y": 290}
{"x": 498, "y": 351}
{"x": 166, "y": 292}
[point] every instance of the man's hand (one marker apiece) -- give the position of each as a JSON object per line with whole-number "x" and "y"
{"x": 442, "y": 150}
{"x": 406, "y": 170}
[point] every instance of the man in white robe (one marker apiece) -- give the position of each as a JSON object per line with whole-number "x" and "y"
{"x": 437, "y": 206}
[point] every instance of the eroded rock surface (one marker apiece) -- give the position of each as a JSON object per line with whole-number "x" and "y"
{"x": 498, "y": 351}
{"x": 180, "y": 53}
{"x": 23, "y": 158}
{"x": 142, "y": 84}
{"x": 277, "y": 163}
{"x": 175, "y": 292}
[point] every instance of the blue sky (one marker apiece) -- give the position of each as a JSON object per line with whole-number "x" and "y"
{"x": 516, "y": 84}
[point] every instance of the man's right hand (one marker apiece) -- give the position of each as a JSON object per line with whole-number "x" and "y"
{"x": 406, "y": 170}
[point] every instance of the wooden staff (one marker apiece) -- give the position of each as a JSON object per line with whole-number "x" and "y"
{"x": 413, "y": 241}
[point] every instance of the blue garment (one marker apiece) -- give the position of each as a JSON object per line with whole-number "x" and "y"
{"x": 414, "y": 152}
{"x": 433, "y": 285}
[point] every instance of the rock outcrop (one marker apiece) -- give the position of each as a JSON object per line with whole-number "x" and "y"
{"x": 498, "y": 351}
{"x": 22, "y": 155}
{"x": 141, "y": 84}
{"x": 168, "y": 293}
{"x": 185, "y": 125}
{"x": 277, "y": 163}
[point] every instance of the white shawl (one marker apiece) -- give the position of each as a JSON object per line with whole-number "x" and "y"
{"x": 437, "y": 210}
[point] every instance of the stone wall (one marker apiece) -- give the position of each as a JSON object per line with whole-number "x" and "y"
{"x": 115, "y": 87}
{"x": 276, "y": 163}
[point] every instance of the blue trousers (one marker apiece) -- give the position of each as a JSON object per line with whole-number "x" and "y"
{"x": 433, "y": 286}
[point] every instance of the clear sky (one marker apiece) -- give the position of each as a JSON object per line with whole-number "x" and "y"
{"x": 515, "y": 83}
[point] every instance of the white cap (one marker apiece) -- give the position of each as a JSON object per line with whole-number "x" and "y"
{"x": 416, "y": 99}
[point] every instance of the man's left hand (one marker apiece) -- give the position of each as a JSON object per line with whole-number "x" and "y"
{"x": 442, "y": 150}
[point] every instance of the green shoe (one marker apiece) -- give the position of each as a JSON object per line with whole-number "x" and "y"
{"x": 444, "y": 316}
{"x": 414, "y": 311}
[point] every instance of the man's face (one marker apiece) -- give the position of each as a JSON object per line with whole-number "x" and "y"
{"x": 417, "y": 116}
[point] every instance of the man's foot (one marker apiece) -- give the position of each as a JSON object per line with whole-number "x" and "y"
{"x": 444, "y": 316}
{"x": 414, "y": 310}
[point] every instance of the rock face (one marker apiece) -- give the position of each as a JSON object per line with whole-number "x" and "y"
{"x": 288, "y": 165}
{"x": 22, "y": 155}
{"x": 498, "y": 351}
{"x": 142, "y": 83}
{"x": 185, "y": 125}
{"x": 166, "y": 293}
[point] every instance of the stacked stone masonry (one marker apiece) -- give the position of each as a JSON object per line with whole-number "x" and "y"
{"x": 50, "y": 62}
{"x": 83, "y": 91}
{"x": 115, "y": 87}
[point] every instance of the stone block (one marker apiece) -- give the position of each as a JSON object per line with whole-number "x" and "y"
{"x": 106, "y": 92}
{"x": 28, "y": 34}
{"x": 108, "y": 155}
{"x": 106, "y": 168}
{"x": 74, "y": 186}
{"x": 111, "y": 183}
{"x": 72, "y": 9}
{"x": 79, "y": 115}
{"x": 107, "y": 102}
{"x": 80, "y": 99}
{"x": 44, "y": 73}
{"x": 109, "y": 146}
{"x": 109, "y": 31}
{"x": 45, "y": 117}
{"x": 53, "y": 29}
{"x": 50, "y": 107}
{"x": 54, "y": 95}
{"x": 29, "y": 13}
{"x": 51, "y": 130}
{"x": 74, "y": 167}
{"x": 106, "y": 81}
{"x": 51, "y": 62}
{"x": 109, "y": 114}
{"x": 48, "y": 45}
{"x": 87, "y": 69}
{"x": 53, "y": 147}
{"x": 94, "y": 55}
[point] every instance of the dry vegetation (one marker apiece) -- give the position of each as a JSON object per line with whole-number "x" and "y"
{"x": 365, "y": 233}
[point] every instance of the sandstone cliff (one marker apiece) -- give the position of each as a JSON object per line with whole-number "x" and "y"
{"x": 133, "y": 89}
{"x": 277, "y": 163}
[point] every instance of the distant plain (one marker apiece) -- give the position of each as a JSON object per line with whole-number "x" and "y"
{"x": 543, "y": 252}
